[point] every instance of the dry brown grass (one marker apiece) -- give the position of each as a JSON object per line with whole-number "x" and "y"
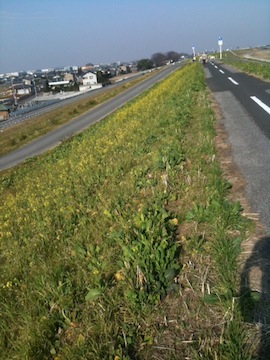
{"x": 256, "y": 53}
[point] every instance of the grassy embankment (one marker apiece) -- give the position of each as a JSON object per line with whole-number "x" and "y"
{"x": 256, "y": 68}
{"x": 121, "y": 243}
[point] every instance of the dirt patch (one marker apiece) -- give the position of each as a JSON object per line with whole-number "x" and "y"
{"x": 262, "y": 54}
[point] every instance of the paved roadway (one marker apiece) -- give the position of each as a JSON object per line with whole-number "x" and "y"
{"x": 245, "y": 105}
{"x": 81, "y": 122}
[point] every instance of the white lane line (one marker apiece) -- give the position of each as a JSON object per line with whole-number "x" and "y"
{"x": 222, "y": 72}
{"x": 261, "y": 104}
{"x": 215, "y": 66}
{"x": 233, "y": 81}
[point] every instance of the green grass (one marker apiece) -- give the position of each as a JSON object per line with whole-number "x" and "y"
{"x": 121, "y": 243}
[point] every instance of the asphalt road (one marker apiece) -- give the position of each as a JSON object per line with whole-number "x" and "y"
{"x": 245, "y": 106}
{"x": 81, "y": 122}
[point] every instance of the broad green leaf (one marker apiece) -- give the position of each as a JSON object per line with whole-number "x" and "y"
{"x": 92, "y": 294}
{"x": 210, "y": 299}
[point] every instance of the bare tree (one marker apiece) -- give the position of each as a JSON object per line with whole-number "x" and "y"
{"x": 158, "y": 59}
{"x": 172, "y": 55}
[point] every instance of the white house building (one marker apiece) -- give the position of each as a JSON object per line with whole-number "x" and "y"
{"x": 89, "y": 79}
{"x": 89, "y": 82}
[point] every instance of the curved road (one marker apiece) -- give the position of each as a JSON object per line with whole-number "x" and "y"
{"x": 81, "y": 122}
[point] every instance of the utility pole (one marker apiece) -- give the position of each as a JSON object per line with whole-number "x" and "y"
{"x": 14, "y": 94}
{"x": 35, "y": 88}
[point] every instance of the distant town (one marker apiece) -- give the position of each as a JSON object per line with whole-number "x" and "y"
{"x": 19, "y": 90}
{"x": 24, "y": 91}
{"x": 17, "y": 87}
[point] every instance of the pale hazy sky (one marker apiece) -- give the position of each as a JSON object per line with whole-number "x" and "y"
{"x": 38, "y": 34}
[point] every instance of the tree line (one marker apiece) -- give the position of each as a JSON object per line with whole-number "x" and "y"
{"x": 159, "y": 59}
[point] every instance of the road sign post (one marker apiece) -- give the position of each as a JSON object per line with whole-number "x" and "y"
{"x": 220, "y": 43}
{"x": 193, "y": 52}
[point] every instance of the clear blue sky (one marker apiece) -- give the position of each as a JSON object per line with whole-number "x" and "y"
{"x": 38, "y": 34}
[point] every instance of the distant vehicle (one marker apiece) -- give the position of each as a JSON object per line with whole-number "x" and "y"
{"x": 204, "y": 58}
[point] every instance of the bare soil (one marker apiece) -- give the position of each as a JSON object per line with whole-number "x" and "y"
{"x": 256, "y": 53}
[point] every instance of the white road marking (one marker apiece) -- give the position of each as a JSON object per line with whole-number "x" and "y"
{"x": 222, "y": 72}
{"x": 215, "y": 66}
{"x": 261, "y": 104}
{"x": 233, "y": 81}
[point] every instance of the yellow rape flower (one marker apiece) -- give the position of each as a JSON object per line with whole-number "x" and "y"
{"x": 118, "y": 276}
{"x": 173, "y": 222}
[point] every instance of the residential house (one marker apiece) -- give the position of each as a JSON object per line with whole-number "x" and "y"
{"x": 124, "y": 69}
{"x": 22, "y": 89}
{"x": 3, "y": 112}
{"x": 89, "y": 79}
{"x": 89, "y": 82}
{"x": 87, "y": 67}
{"x": 68, "y": 77}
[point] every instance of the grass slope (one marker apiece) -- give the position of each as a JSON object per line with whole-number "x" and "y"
{"x": 121, "y": 243}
